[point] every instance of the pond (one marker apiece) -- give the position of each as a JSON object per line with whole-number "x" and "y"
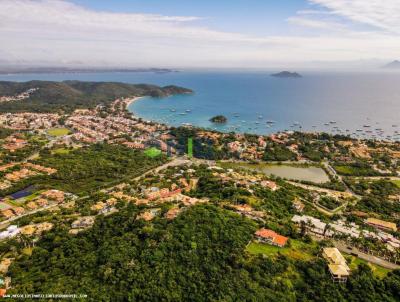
{"x": 303, "y": 173}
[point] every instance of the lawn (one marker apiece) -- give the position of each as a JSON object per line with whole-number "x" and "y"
{"x": 58, "y": 131}
{"x": 60, "y": 151}
{"x": 355, "y": 170}
{"x": 379, "y": 271}
{"x": 297, "y": 250}
{"x": 396, "y": 182}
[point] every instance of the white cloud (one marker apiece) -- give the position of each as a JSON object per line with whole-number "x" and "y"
{"x": 61, "y": 32}
{"x": 383, "y": 14}
{"x": 318, "y": 24}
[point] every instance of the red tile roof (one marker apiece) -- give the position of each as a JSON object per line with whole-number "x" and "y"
{"x": 269, "y": 234}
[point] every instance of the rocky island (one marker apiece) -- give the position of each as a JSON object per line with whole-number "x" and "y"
{"x": 286, "y": 74}
{"x": 219, "y": 119}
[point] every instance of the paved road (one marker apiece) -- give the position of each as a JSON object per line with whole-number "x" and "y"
{"x": 339, "y": 177}
{"x": 175, "y": 162}
{"x": 377, "y": 177}
{"x": 7, "y": 222}
{"x": 370, "y": 258}
{"x": 178, "y": 161}
{"x": 315, "y": 188}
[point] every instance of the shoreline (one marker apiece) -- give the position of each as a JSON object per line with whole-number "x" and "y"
{"x": 130, "y": 101}
{"x": 127, "y": 102}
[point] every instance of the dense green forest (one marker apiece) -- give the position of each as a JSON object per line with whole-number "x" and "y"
{"x": 199, "y": 256}
{"x": 70, "y": 95}
{"x": 90, "y": 168}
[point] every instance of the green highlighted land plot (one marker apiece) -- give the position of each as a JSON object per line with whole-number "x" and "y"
{"x": 152, "y": 152}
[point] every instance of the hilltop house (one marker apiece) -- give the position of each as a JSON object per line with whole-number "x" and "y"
{"x": 270, "y": 237}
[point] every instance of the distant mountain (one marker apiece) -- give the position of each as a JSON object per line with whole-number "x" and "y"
{"x": 286, "y": 74}
{"x": 393, "y": 65}
{"x": 19, "y": 70}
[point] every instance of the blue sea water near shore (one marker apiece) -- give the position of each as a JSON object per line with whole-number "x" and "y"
{"x": 359, "y": 104}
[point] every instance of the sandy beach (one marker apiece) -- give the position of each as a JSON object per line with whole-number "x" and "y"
{"x": 129, "y": 101}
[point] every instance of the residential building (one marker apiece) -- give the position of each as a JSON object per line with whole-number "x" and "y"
{"x": 298, "y": 205}
{"x": 381, "y": 224}
{"x": 271, "y": 237}
{"x": 337, "y": 264}
{"x": 269, "y": 184}
{"x": 83, "y": 222}
{"x": 173, "y": 213}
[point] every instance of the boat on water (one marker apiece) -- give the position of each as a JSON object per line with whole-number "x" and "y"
{"x": 172, "y": 110}
{"x": 188, "y": 110}
{"x": 182, "y": 113}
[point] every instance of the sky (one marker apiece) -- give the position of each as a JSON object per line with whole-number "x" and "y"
{"x": 199, "y": 33}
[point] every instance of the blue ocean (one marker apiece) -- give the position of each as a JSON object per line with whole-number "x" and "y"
{"x": 358, "y": 104}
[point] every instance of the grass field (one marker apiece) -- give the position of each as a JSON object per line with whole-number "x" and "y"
{"x": 60, "y": 151}
{"x": 58, "y": 131}
{"x": 152, "y": 152}
{"x": 396, "y": 182}
{"x": 348, "y": 170}
{"x": 377, "y": 270}
{"x": 303, "y": 251}
{"x": 298, "y": 250}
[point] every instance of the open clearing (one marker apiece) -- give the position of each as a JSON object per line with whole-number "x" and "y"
{"x": 58, "y": 131}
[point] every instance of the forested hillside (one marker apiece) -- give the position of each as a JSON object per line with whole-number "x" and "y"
{"x": 69, "y": 95}
{"x": 200, "y": 256}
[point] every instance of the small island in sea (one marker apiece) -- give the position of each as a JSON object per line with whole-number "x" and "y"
{"x": 286, "y": 74}
{"x": 219, "y": 119}
{"x": 393, "y": 65}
